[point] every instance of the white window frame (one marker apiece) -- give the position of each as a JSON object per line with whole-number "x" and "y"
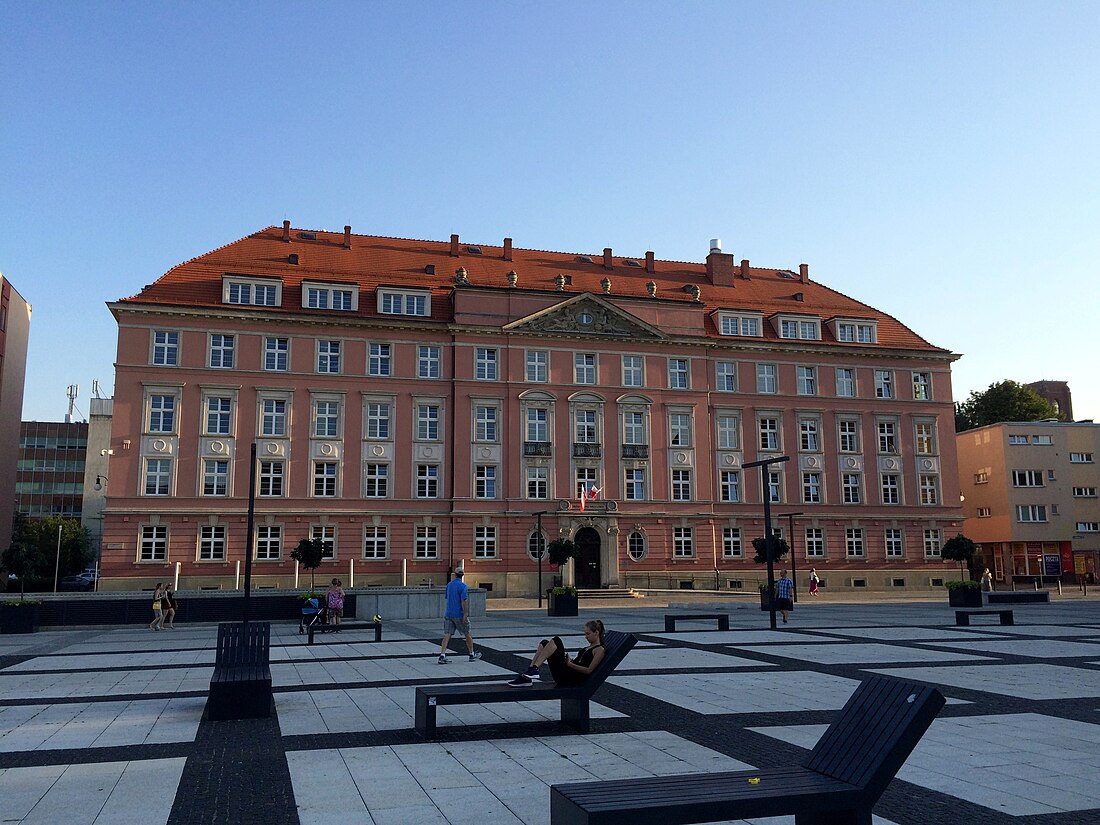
{"x": 846, "y": 382}
{"x": 327, "y": 535}
{"x": 221, "y": 351}
{"x": 728, "y": 431}
{"x": 328, "y": 360}
{"x": 153, "y": 542}
{"x": 633, "y": 368}
{"x": 928, "y": 486}
{"x": 538, "y": 483}
{"x": 332, "y": 297}
{"x": 741, "y": 325}
{"x": 379, "y": 359}
{"x": 274, "y": 417}
{"x": 767, "y": 379}
{"x": 271, "y": 478}
{"x": 327, "y": 418}
{"x": 212, "y": 540}
{"x": 427, "y": 481}
{"x": 276, "y": 353}
{"x": 485, "y": 481}
{"x": 414, "y": 302}
{"x": 536, "y": 367}
{"x": 894, "y": 542}
{"x": 585, "y": 368}
{"x": 376, "y": 479}
{"x": 215, "y": 477}
{"x": 634, "y": 484}
{"x": 732, "y": 545}
{"x": 729, "y": 486}
{"x": 270, "y": 538}
{"x": 679, "y": 374}
{"x": 325, "y": 479}
{"x": 811, "y": 487}
{"x": 428, "y": 419}
{"x": 375, "y": 542}
{"x": 680, "y": 429}
{"x": 680, "y": 484}
{"x": 683, "y": 542}
{"x": 725, "y": 376}
{"x": 890, "y": 488}
{"x": 1031, "y": 513}
{"x": 933, "y": 543}
{"x": 157, "y": 477}
{"x": 884, "y": 384}
{"x": 428, "y": 360}
{"x": 922, "y": 386}
{"x": 848, "y": 435}
{"x": 485, "y": 541}
{"x": 426, "y": 547}
{"x": 486, "y": 363}
{"x": 379, "y": 419}
{"x": 807, "y": 380}
{"x": 855, "y": 546}
{"x": 260, "y": 292}
{"x": 814, "y": 542}
{"x": 166, "y": 348}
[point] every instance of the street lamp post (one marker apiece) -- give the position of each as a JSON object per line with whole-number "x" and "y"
{"x": 542, "y": 548}
{"x": 764, "y": 464}
{"x": 790, "y": 542}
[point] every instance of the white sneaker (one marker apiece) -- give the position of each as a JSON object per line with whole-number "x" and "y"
{"x": 475, "y": 655}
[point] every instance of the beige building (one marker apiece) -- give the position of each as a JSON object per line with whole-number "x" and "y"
{"x": 15, "y": 327}
{"x": 1030, "y": 498}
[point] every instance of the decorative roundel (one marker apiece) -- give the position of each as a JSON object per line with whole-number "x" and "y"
{"x": 928, "y": 464}
{"x": 327, "y": 449}
{"x": 218, "y": 446}
{"x": 851, "y": 462}
{"x": 160, "y": 445}
{"x": 585, "y": 318}
{"x": 890, "y": 464}
{"x": 271, "y": 449}
{"x": 377, "y": 449}
{"x": 811, "y": 461}
{"x": 429, "y": 452}
{"x": 681, "y": 457}
{"x": 729, "y": 460}
{"x": 486, "y": 452}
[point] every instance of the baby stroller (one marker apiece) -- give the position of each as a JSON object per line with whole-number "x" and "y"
{"x": 312, "y": 614}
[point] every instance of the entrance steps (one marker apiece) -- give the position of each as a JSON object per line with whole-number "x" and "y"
{"x": 604, "y": 593}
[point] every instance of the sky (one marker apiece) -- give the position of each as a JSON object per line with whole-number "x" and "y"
{"x": 938, "y": 161}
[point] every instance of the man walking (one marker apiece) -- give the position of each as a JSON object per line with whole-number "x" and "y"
{"x": 784, "y": 590}
{"x": 456, "y": 618}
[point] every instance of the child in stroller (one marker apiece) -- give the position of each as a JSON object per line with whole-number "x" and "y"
{"x": 312, "y": 614}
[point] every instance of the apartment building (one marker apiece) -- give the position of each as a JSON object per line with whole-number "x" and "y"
{"x": 15, "y": 327}
{"x": 415, "y": 404}
{"x": 1030, "y": 498}
{"x": 50, "y": 472}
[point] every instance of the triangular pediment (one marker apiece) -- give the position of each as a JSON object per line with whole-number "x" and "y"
{"x": 584, "y": 315}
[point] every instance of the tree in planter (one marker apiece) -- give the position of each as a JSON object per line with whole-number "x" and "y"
{"x": 559, "y": 551}
{"x": 309, "y": 554}
{"x": 780, "y": 548}
{"x": 960, "y": 549}
{"x": 33, "y": 554}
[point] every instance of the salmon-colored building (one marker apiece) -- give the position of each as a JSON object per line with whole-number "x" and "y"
{"x": 415, "y": 404}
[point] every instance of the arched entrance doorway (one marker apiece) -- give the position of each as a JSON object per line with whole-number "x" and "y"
{"x": 588, "y": 563}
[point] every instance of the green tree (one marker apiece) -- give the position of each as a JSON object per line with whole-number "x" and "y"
{"x": 779, "y": 549}
{"x": 960, "y": 549}
{"x": 34, "y": 554}
{"x": 309, "y": 554}
{"x": 559, "y": 551}
{"x": 1004, "y": 401}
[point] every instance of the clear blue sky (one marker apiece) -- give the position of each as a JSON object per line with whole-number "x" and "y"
{"x": 938, "y": 161}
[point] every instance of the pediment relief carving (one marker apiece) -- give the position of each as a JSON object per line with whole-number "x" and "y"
{"x": 586, "y": 315}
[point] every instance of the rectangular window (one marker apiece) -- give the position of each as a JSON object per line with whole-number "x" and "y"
{"x": 725, "y": 376}
{"x": 848, "y": 431}
{"x": 895, "y": 545}
{"x": 403, "y": 303}
{"x": 221, "y": 351}
{"x": 538, "y": 366}
{"x": 427, "y": 361}
{"x": 766, "y": 379}
{"x": 158, "y": 476}
{"x": 427, "y": 422}
{"x": 850, "y": 488}
{"x": 884, "y": 384}
{"x": 584, "y": 368}
{"x": 427, "y": 481}
{"x": 729, "y": 485}
{"x": 683, "y": 542}
{"x": 485, "y": 542}
{"x": 166, "y": 348}
{"x": 981, "y": 477}
{"x": 853, "y": 543}
{"x": 378, "y": 420}
{"x": 584, "y": 427}
{"x": 327, "y": 534}
{"x": 1088, "y": 527}
{"x": 273, "y": 417}
{"x": 376, "y": 480}
{"x": 922, "y": 386}
{"x": 330, "y": 298}
{"x": 807, "y": 380}
{"x": 538, "y": 486}
{"x": 634, "y": 428}
{"x": 269, "y": 542}
{"x": 1017, "y": 439}
{"x": 212, "y": 543}
{"x": 677, "y": 373}
{"x": 891, "y": 490}
{"x": 769, "y": 434}
{"x": 219, "y": 416}
{"x": 324, "y": 479}
{"x": 154, "y": 542}
{"x": 1084, "y": 492}
{"x": 485, "y": 364}
{"x": 375, "y": 542}
{"x": 538, "y": 425}
{"x": 679, "y": 429}
{"x": 271, "y": 478}
{"x": 633, "y": 371}
{"x": 808, "y": 436}
{"x": 485, "y": 423}
{"x": 634, "y": 485}
{"x": 985, "y": 512}
{"x": 932, "y": 543}
{"x": 775, "y": 487}
{"x": 731, "y": 543}
{"x": 929, "y": 487}
{"x": 740, "y": 325}
{"x": 804, "y": 330}
{"x": 427, "y": 543}
{"x": 811, "y": 488}
{"x": 845, "y": 382}
{"x": 729, "y": 432}
{"x": 251, "y": 293}
{"x": 485, "y": 481}
{"x": 215, "y": 477}
{"x": 379, "y": 360}
{"x": 585, "y": 478}
{"x": 1027, "y": 478}
{"x": 815, "y": 543}
{"x": 1031, "y": 512}
{"x": 162, "y": 413}
{"x": 1080, "y": 458}
{"x": 1042, "y": 439}
{"x": 887, "y": 438}
{"x": 328, "y": 357}
{"x": 326, "y": 419}
{"x": 681, "y": 485}
{"x": 276, "y": 354}
{"x": 925, "y": 438}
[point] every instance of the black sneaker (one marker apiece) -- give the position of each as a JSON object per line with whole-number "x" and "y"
{"x": 520, "y": 681}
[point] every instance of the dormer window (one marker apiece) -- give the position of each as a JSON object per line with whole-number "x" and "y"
{"x": 405, "y": 302}
{"x": 339, "y": 297}
{"x": 260, "y": 292}
{"x": 798, "y": 328}
{"x": 742, "y": 324}
{"x": 855, "y": 331}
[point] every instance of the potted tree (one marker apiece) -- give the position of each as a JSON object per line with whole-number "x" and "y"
{"x": 563, "y": 599}
{"x": 963, "y": 593}
{"x": 309, "y": 554}
{"x": 779, "y": 550}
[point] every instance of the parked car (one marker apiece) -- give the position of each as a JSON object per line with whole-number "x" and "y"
{"x": 80, "y": 582}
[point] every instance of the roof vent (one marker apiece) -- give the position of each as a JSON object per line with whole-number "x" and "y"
{"x": 293, "y": 258}
{"x": 474, "y": 250}
{"x": 798, "y": 296}
{"x": 784, "y": 273}
{"x": 584, "y": 259}
{"x": 631, "y": 263}
{"x": 308, "y": 236}
{"x": 715, "y": 244}
{"x": 429, "y": 269}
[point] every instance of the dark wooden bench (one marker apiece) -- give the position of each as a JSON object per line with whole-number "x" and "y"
{"x": 672, "y": 618}
{"x": 962, "y": 617}
{"x": 574, "y": 700}
{"x": 241, "y": 685}
{"x": 334, "y": 628}
{"x": 838, "y": 783}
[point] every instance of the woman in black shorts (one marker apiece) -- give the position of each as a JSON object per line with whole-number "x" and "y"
{"x": 566, "y": 671}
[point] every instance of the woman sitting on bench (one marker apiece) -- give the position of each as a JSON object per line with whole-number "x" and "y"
{"x": 566, "y": 672}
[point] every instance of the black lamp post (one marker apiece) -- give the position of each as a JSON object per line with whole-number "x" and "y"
{"x": 542, "y": 547}
{"x": 790, "y": 542}
{"x": 764, "y": 464}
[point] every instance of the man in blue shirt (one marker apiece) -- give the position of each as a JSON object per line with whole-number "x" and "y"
{"x": 456, "y": 618}
{"x": 784, "y": 590}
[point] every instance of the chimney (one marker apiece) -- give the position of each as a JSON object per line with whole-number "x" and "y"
{"x": 347, "y": 237}
{"x": 719, "y": 264}
{"x": 507, "y": 249}
{"x": 745, "y": 269}
{"x": 607, "y": 257}
{"x": 649, "y": 262}
{"x": 286, "y": 231}
{"x": 804, "y": 273}
{"x": 454, "y": 246}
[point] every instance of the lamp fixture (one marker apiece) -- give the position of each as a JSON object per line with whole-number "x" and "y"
{"x": 100, "y": 482}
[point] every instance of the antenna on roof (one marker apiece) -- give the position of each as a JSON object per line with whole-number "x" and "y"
{"x": 71, "y": 391}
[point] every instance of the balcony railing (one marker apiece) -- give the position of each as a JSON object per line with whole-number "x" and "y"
{"x": 635, "y": 451}
{"x": 586, "y": 450}
{"x": 531, "y": 448}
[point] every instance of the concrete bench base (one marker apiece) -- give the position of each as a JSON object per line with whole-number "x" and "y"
{"x": 962, "y": 617}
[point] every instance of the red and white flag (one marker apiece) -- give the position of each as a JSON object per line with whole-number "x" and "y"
{"x": 588, "y": 492}
{"x": 584, "y": 496}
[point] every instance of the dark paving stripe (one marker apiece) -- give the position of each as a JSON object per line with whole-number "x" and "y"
{"x": 84, "y": 756}
{"x": 102, "y": 697}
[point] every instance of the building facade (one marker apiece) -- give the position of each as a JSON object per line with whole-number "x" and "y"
{"x": 50, "y": 475}
{"x": 420, "y": 404}
{"x": 15, "y": 327}
{"x": 1030, "y": 498}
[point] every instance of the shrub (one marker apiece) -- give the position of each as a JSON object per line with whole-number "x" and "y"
{"x": 563, "y": 591}
{"x": 955, "y": 584}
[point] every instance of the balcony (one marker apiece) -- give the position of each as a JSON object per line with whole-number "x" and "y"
{"x": 536, "y": 448}
{"x": 635, "y": 451}
{"x": 586, "y": 450}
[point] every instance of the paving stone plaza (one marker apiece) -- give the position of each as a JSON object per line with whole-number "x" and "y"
{"x": 105, "y": 725}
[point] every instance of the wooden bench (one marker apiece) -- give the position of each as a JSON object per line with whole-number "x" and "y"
{"x": 574, "y": 699}
{"x": 672, "y": 618}
{"x": 962, "y": 617}
{"x": 241, "y": 685}
{"x": 838, "y": 783}
{"x": 334, "y": 628}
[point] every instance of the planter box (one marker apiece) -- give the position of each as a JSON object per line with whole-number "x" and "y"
{"x": 561, "y": 605}
{"x": 19, "y": 618}
{"x": 965, "y": 597}
{"x": 765, "y": 601}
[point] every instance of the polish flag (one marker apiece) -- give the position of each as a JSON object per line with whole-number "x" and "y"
{"x": 588, "y": 493}
{"x": 584, "y": 497}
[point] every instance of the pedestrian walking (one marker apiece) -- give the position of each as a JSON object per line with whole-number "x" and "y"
{"x": 814, "y": 581}
{"x": 168, "y": 605}
{"x": 987, "y": 581}
{"x": 456, "y": 618}
{"x": 158, "y": 611}
{"x": 784, "y": 591}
